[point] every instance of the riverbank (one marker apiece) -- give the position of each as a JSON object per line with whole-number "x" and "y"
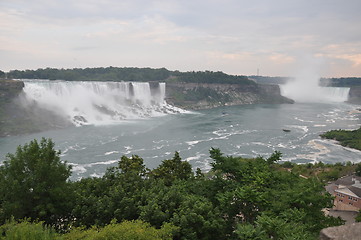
{"x": 347, "y": 138}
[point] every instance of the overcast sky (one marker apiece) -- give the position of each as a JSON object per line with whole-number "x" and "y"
{"x": 278, "y": 37}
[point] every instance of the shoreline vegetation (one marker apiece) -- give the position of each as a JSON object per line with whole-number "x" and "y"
{"x": 330, "y": 172}
{"x": 240, "y": 198}
{"x": 347, "y": 138}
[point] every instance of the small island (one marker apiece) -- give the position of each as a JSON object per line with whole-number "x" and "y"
{"x": 347, "y": 138}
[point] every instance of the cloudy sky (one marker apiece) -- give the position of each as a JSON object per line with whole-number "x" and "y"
{"x": 278, "y": 37}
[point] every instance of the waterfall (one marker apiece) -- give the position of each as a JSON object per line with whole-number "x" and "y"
{"x": 336, "y": 94}
{"x": 98, "y": 102}
{"x": 306, "y": 92}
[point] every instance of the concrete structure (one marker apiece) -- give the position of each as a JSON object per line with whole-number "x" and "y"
{"x": 346, "y": 232}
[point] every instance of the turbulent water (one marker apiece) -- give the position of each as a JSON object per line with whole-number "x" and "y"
{"x": 248, "y": 131}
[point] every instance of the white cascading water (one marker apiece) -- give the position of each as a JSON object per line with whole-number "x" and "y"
{"x": 306, "y": 89}
{"x": 98, "y": 103}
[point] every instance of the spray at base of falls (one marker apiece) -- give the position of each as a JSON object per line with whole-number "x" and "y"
{"x": 98, "y": 103}
{"x": 310, "y": 91}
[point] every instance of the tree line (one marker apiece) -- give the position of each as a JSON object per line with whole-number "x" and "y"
{"x": 93, "y": 74}
{"x": 127, "y": 74}
{"x": 239, "y": 198}
{"x": 340, "y": 82}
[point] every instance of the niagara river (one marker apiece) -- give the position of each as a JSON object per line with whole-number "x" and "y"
{"x": 145, "y": 125}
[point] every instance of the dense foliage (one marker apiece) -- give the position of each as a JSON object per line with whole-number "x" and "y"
{"x": 341, "y": 82}
{"x": 128, "y": 74}
{"x": 270, "y": 80}
{"x": 322, "y": 171}
{"x": 26, "y": 230}
{"x": 347, "y": 138}
{"x": 33, "y": 184}
{"x": 213, "y": 77}
{"x": 93, "y": 74}
{"x": 239, "y": 199}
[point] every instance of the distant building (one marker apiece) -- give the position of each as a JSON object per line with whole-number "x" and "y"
{"x": 347, "y": 192}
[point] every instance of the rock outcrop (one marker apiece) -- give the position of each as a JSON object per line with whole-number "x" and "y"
{"x": 207, "y": 95}
{"x": 354, "y": 95}
{"x": 15, "y": 119}
{"x": 9, "y": 89}
{"x": 345, "y": 232}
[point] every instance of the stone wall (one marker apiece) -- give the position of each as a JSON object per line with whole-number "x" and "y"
{"x": 345, "y": 232}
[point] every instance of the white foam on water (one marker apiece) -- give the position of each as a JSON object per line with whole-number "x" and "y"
{"x": 111, "y": 152}
{"x": 196, "y": 157}
{"x": 96, "y": 175}
{"x": 192, "y": 143}
{"x": 337, "y": 144}
{"x": 317, "y": 145}
{"x": 77, "y": 168}
{"x": 302, "y": 120}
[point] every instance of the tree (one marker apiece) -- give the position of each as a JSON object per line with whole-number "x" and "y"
{"x": 25, "y": 229}
{"x": 358, "y": 217}
{"x": 358, "y": 170}
{"x": 124, "y": 230}
{"x": 199, "y": 219}
{"x": 173, "y": 169}
{"x": 244, "y": 189}
{"x": 116, "y": 195}
{"x": 33, "y": 184}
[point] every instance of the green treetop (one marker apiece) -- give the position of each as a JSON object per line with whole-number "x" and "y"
{"x": 33, "y": 183}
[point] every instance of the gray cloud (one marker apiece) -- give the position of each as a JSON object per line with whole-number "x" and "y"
{"x": 215, "y": 34}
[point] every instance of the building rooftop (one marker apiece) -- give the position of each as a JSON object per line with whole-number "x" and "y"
{"x": 348, "y": 180}
{"x": 356, "y": 190}
{"x": 347, "y": 191}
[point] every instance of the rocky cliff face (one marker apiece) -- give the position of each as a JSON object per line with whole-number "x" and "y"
{"x": 206, "y": 95}
{"x": 9, "y": 89}
{"x": 354, "y": 95}
{"x": 15, "y": 119}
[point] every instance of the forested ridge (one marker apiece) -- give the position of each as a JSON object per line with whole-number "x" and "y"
{"x": 341, "y": 82}
{"x": 159, "y": 74}
{"x": 128, "y": 74}
{"x": 239, "y": 198}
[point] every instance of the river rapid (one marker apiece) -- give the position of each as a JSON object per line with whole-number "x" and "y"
{"x": 247, "y": 131}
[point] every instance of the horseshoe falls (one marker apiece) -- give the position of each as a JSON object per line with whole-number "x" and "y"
{"x": 306, "y": 89}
